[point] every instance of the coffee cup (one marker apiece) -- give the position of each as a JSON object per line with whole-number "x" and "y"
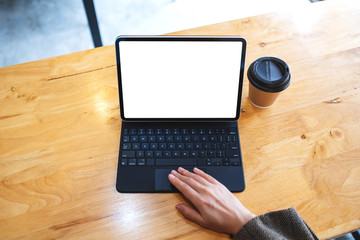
{"x": 268, "y": 77}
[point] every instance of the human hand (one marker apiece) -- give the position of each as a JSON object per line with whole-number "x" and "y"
{"x": 216, "y": 208}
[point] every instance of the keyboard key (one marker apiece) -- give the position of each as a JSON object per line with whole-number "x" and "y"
{"x": 232, "y": 131}
{"x": 141, "y": 131}
{"x": 185, "y": 153}
{"x": 180, "y": 146}
{"x": 126, "y": 146}
{"x": 169, "y": 138}
{"x": 202, "y": 154}
{"x": 132, "y": 162}
{"x": 158, "y": 154}
{"x": 206, "y": 146}
{"x": 123, "y": 162}
{"x": 235, "y": 161}
{"x": 160, "y": 138}
{"x": 223, "y": 146}
{"x": 186, "y": 138}
{"x": 126, "y": 139}
{"x": 184, "y": 131}
{"x": 149, "y": 154}
{"x": 193, "y": 131}
{"x": 152, "y": 139}
{"x": 153, "y": 146}
{"x": 158, "y": 131}
{"x": 150, "y": 161}
{"x": 127, "y": 154}
{"x": 145, "y": 146}
{"x": 208, "y": 162}
{"x": 162, "y": 145}
{"x": 178, "y": 138}
{"x": 176, "y": 153}
{"x": 125, "y": 131}
{"x": 171, "y": 146}
{"x": 197, "y": 146}
{"x": 132, "y": 131}
{"x": 140, "y": 153}
{"x": 175, "y": 162}
{"x": 166, "y": 153}
{"x": 143, "y": 138}
{"x": 188, "y": 146}
{"x": 134, "y": 138}
{"x": 232, "y": 153}
{"x": 195, "y": 139}
{"x": 141, "y": 162}
{"x": 216, "y": 161}
{"x": 226, "y": 162}
{"x": 211, "y": 153}
{"x": 176, "y": 131}
{"x": 233, "y": 146}
{"x": 203, "y": 138}
{"x": 220, "y": 154}
{"x": 194, "y": 154}
{"x": 149, "y": 131}
{"x": 136, "y": 146}
{"x": 167, "y": 131}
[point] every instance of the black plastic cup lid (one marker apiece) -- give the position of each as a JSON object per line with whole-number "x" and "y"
{"x": 269, "y": 74}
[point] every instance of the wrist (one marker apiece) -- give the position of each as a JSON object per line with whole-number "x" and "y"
{"x": 243, "y": 220}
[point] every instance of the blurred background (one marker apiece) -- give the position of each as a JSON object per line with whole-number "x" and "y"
{"x": 36, "y": 29}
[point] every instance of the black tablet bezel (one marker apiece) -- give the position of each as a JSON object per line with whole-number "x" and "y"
{"x": 181, "y": 38}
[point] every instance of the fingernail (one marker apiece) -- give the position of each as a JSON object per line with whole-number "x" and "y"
{"x": 171, "y": 176}
{"x": 180, "y": 169}
{"x": 178, "y": 207}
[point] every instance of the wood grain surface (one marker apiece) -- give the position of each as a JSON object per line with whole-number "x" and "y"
{"x": 60, "y": 133}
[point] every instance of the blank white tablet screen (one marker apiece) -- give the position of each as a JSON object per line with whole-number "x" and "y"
{"x": 180, "y": 79}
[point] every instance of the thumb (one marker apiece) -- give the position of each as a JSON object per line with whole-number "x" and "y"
{"x": 190, "y": 213}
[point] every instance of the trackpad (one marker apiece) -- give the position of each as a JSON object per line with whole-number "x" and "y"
{"x": 162, "y": 183}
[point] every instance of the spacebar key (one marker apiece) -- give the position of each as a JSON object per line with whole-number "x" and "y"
{"x": 175, "y": 161}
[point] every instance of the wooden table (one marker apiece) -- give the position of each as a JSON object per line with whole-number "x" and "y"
{"x": 60, "y": 128}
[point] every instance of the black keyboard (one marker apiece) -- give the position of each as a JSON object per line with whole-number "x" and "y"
{"x": 179, "y": 147}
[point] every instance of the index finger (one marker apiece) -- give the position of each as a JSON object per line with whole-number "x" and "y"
{"x": 184, "y": 188}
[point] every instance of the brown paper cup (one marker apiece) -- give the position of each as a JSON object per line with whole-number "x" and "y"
{"x": 268, "y": 77}
{"x": 261, "y": 99}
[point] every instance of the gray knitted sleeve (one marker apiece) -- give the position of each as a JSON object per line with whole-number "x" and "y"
{"x": 284, "y": 224}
